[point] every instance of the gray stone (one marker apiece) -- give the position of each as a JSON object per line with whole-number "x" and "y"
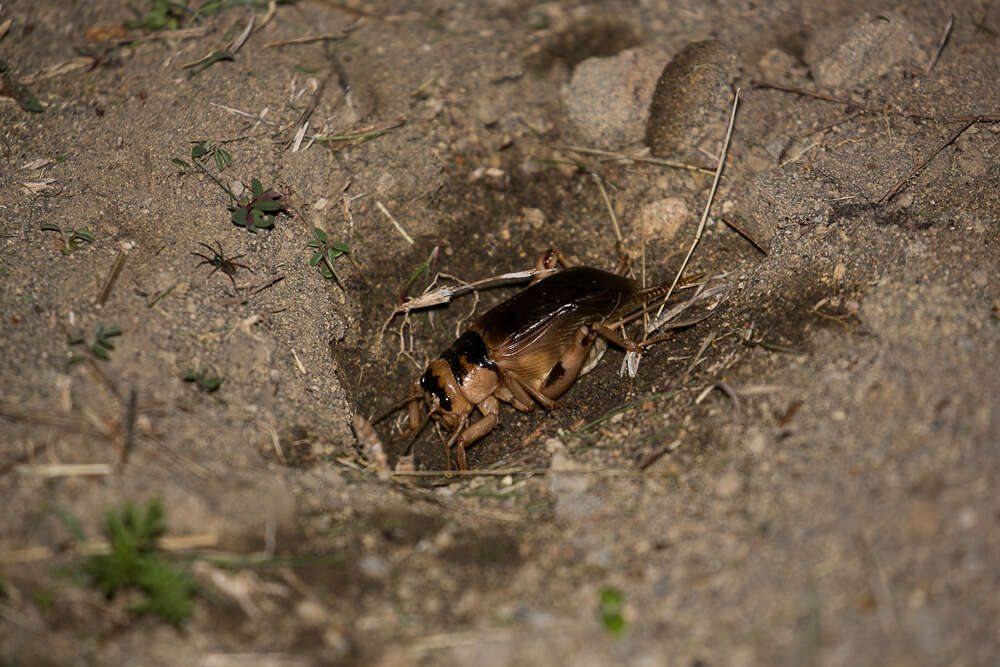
{"x": 607, "y": 99}
{"x": 861, "y": 49}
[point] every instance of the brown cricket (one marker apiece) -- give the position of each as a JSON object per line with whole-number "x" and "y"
{"x": 529, "y": 348}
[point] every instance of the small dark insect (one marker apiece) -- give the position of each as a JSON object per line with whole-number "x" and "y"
{"x": 529, "y": 349}
{"x": 220, "y": 262}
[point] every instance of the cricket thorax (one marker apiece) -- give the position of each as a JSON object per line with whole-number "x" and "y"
{"x": 470, "y": 363}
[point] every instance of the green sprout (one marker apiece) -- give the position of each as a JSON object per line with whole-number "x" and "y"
{"x": 203, "y": 378}
{"x": 326, "y": 254}
{"x": 135, "y": 562}
{"x": 204, "y": 150}
{"x": 611, "y": 602}
{"x": 102, "y": 345}
{"x": 72, "y": 238}
{"x": 222, "y": 157}
{"x": 164, "y": 15}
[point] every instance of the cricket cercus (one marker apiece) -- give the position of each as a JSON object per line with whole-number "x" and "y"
{"x": 530, "y": 348}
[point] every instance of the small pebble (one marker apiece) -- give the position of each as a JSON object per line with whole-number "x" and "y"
{"x": 663, "y": 218}
{"x": 729, "y": 484}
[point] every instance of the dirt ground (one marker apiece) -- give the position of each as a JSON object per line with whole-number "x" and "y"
{"x": 806, "y": 477}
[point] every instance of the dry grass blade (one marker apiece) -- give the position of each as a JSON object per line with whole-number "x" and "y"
{"x": 48, "y": 418}
{"x": 669, "y": 320}
{"x": 399, "y": 227}
{"x": 634, "y": 158}
{"x": 238, "y": 43}
{"x": 109, "y": 282}
{"x": 93, "y": 547}
{"x": 920, "y": 166}
{"x": 711, "y": 196}
{"x": 944, "y": 40}
{"x": 307, "y": 40}
{"x": 50, "y": 470}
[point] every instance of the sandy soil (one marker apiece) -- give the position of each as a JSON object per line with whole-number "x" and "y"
{"x": 807, "y": 477}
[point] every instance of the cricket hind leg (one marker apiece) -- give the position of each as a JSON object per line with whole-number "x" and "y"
{"x": 587, "y": 348}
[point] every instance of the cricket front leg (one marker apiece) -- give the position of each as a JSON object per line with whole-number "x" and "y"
{"x": 490, "y": 408}
{"x": 413, "y": 404}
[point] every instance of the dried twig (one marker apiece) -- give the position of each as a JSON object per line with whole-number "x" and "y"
{"x": 745, "y": 234}
{"x": 109, "y": 281}
{"x": 913, "y": 172}
{"x": 130, "y": 414}
{"x": 711, "y": 197}
{"x": 944, "y": 40}
{"x": 981, "y": 118}
{"x": 307, "y": 40}
{"x": 634, "y": 158}
{"x": 306, "y": 113}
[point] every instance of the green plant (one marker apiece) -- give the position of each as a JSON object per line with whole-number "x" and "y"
{"x": 102, "y": 345}
{"x": 134, "y": 562}
{"x": 258, "y": 211}
{"x": 327, "y": 252}
{"x": 611, "y": 602}
{"x": 204, "y": 378}
{"x": 204, "y": 150}
{"x": 222, "y": 157}
{"x": 164, "y": 15}
{"x": 72, "y": 238}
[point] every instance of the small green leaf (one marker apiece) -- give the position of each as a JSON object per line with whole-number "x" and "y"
{"x": 84, "y": 235}
{"x": 239, "y": 216}
{"x": 330, "y": 256}
{"x": 265, "y": 222}
{"x": 74, "y": 340}
{"x": 50, "y": 227}
{"x": 227, "y": 159}
{"x": 210, "y": 384}
{"x": 112, "y": 331}
{"x": 313, "y": 244}
{"x": 342, "y": 248}
{"x": 198, "y": 150}
{"x": 611, "y": 603}
{"x": 214, "y": 58}
{"x": 256, "y": 188}
{"x": 104, "y": 343}
{"x": 320, "y": 234}
{"x": 316, "y": 258}
{"x": 180, "y": 163}
{"x": 100, "y": 352}
{"x": 257, "y": 217}
{"x": 327, "y": 273}
{"x": 269, "y": 205}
